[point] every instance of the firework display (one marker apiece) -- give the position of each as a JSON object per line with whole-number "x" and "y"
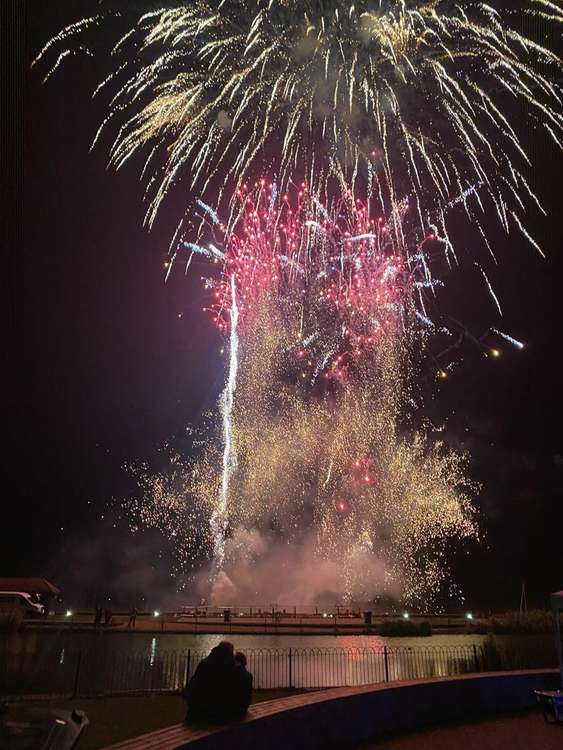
{"x": 356, "y": 265}
{"x": 330, "y": 467}
{"x": 415, "y": 94}
{"x": 378, "y": 122}
{"x": 320, "y": 304}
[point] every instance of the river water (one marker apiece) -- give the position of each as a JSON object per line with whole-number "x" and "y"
{"x": 131, "y": 641}
{"x": 92, "y": 663}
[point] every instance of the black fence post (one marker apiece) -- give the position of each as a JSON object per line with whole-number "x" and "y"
{"x": 77, "y": 675}
{"x": 386, "y": 657}
{"x": 188, "y": 666}
{"x": 475, "y": 659}
{"x": 290, "y": 664}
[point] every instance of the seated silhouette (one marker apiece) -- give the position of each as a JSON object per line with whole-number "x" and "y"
{"x": 242, "y": 696}
{"x": 221, "y": 687}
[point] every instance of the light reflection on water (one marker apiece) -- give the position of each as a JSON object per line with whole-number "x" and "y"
{"x": 118, "y": 661}
{"x": 27, "y": 644}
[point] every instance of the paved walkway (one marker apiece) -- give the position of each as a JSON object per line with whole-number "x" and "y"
{"x": 525, "y": 732}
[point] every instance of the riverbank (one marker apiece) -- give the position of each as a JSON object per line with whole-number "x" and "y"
{"x": 279, "y": 625}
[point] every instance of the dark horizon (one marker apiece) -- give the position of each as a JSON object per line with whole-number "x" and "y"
{"x": 105, "y": 372}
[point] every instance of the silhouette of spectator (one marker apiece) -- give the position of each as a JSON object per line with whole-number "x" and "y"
{"x": 132, "y": 617}
{"x": 98, "y": 615}
{"x": 108, "y": 614}
{"x": 242, "y": 694}
{"x": 219, "y": 690}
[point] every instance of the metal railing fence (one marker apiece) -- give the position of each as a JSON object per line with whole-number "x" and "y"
{"x": 97, "y": 671}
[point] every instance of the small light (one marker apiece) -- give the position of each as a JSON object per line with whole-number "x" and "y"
{"x": 68, "y": 613}
{"x": 156, "y": 613}
{"x": 442, "y": 374}
{"x": 495, "y": 353}
{"x": 469, "y": 616}
{"x": 325, "y": 614}
{"x": 405, "y": 615}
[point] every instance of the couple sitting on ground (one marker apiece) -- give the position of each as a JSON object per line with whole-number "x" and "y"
{"x": 221, "y": 687}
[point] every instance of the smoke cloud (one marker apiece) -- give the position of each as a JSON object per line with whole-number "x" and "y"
{"x": 258, "y": 570}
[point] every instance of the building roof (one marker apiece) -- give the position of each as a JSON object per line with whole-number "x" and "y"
{"x": 29, "y": 585}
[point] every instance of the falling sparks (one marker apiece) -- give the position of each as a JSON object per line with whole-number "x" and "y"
{"x": 490, "y": 288}
{"x": 414, "y": 92}
{"x": 317, "y": 382}
{"x": 334, "y": 259}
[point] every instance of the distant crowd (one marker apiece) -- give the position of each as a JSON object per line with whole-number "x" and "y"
{"x": 103, "y": 615}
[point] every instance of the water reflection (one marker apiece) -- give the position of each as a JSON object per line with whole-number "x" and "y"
{"x": 94, "y": 663}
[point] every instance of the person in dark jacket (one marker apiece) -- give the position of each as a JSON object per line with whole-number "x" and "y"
{"x": 98, "y": 615}
{"x": 218, "y": 690}
{"x": 132, "y": 617}
{"x": 243, "y": 686}
{"x": 108, "y": 614}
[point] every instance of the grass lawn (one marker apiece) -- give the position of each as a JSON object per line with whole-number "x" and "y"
{"x": 115, "y": 719}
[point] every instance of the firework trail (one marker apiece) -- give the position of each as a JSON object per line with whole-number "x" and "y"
{"x": 414, "y": 93}
{"x": 490, "y": 288}
{"x": 510, "y": 339}
{"x": 220, "y": 515}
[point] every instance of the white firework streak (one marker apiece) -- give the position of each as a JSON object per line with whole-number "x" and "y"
{"x": 209, "y": 211}
{"x": 210, "y": 252}
{"x": 425, "y": 320}
{"x": 491, "y": 290}
{"x": 220, "y": 514}
{"x": 511, "y": 339}
{"x": 327, "y": 480}
{"x": 368, "y": 236}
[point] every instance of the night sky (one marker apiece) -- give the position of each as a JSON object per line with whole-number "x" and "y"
{"x": 104, "y": 370}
